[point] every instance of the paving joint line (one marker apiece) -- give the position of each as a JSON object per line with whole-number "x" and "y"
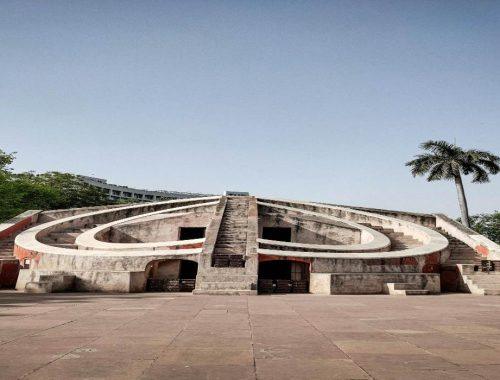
{"x": 173, "y": 339}
{"x": 73, "y": 349}
{"x": 332, "y": 343}
{"x": 251, "y": 341}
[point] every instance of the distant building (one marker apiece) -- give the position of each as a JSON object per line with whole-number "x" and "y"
{"x": 116, "y": 192}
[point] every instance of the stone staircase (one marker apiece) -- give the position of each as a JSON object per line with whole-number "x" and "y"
{"x": 404, "y": 289}
{"x": 231, "y": 243}
{"x": 467, "y": 262}
{"x": 227, "y": 273}
{"x": 488, "y": 282}
{"x": 460, "y": 253}
{"x": 478, "y": 282}
{"x": 225, "y": 281}
{"x": 9, "y": 264}
{"x": 399, "y": 241}
{"x": 7, "y": 248}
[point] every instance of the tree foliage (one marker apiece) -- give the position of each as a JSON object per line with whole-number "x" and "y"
{"x": 444, "y": 161}
{"x": 487, "y": 225}
{"x": 53, "y": 190}
{"x": 447, "y": 161}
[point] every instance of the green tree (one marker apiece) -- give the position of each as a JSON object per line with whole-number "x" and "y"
{"x": 6, "y": 159}
{"x": 71, "y": 190}
{"x": 445, "y": 161}
{"x": 52, "y": 190}
{"x": 487, "y": 225}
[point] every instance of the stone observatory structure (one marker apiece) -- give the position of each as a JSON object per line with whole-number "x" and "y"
{"x": 242, "y": 244}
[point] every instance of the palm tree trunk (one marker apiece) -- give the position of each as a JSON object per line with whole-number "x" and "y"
{"x": 462, "y": 201}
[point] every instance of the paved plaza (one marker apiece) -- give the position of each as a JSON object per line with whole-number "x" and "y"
{"x": 183, "y": 336}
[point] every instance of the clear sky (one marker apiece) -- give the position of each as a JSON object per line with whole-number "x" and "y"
{"x": 313, "y": 100}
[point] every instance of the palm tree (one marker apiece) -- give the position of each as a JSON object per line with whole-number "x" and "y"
{"x": 443, "y": 160}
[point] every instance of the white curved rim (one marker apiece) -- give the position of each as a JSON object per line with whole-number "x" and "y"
{"x": 88, "y": 240}
{"x": 433, "y": 241}
{"x": 377, "y": 241}
{"x": 28, "y": 239}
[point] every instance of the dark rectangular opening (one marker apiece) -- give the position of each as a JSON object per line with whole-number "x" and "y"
{"x": 277, "y": 233}
{"x": 188, "y": 233}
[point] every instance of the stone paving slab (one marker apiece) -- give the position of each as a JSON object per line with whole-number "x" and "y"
{"x": 182, "y": 336}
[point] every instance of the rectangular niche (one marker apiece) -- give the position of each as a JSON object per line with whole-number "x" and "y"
{"x": 188, "y": 233}
{"x": 277, "y": 233}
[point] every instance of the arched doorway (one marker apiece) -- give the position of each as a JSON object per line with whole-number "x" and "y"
{"x": 171, "y": 276}
{"x": 283, "y": 276}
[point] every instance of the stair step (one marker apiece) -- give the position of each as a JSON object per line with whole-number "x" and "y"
{"x": 492, "y": 292}
{"x": 405, "y": 286}
{"x": 226, "y": 278}
{"x": 417, "y": 292}
{"x": 224, "y": 285}
{"x": 226, "y": 292}
{"x": 489, "y": 285}
{"x": 39, "y": 287}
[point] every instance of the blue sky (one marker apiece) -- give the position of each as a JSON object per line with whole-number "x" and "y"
{"x": 314, "y": 100}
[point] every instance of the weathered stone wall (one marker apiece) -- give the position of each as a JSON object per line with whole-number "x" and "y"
{"x": 426, "y": 220}
{"x": 47, "y": 216}
{"x": 373, "y": 283}
{"x": 362, "y": 266}
{"x": 168, "y": 270}
{"x": 310, "y": 231}
{"x": 158, "y": 229}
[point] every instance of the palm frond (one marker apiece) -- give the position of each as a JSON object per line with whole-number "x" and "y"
{"x": 442, "y": 148}
{"x": 479, "y": 174}
{"x": 491, "y": 167}
{"x": 485, "y": 159}
{"x": 422, "y": 164}
{"x": 437, "y": 172}
{"x": 443, "y": 160}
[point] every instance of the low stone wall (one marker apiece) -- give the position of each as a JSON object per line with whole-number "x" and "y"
{"x": 373, "y": 283}
{"x": 48, "y": 216}
{"x": 90, "y": 281}
{"x": 18, "y": 223}
{"x": 426, "y": 220}
{"x": 405, "y": 265}
{"x": 110, "y": 281}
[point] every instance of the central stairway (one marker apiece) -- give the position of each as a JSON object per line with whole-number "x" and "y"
{"x": 231, "y": 244}
{"x": 229, "y": 269}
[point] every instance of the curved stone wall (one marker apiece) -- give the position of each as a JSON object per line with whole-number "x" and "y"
{"x": 334, "y": 240}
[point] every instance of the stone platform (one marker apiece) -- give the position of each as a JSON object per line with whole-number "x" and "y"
{"x": 182, "y": 336}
